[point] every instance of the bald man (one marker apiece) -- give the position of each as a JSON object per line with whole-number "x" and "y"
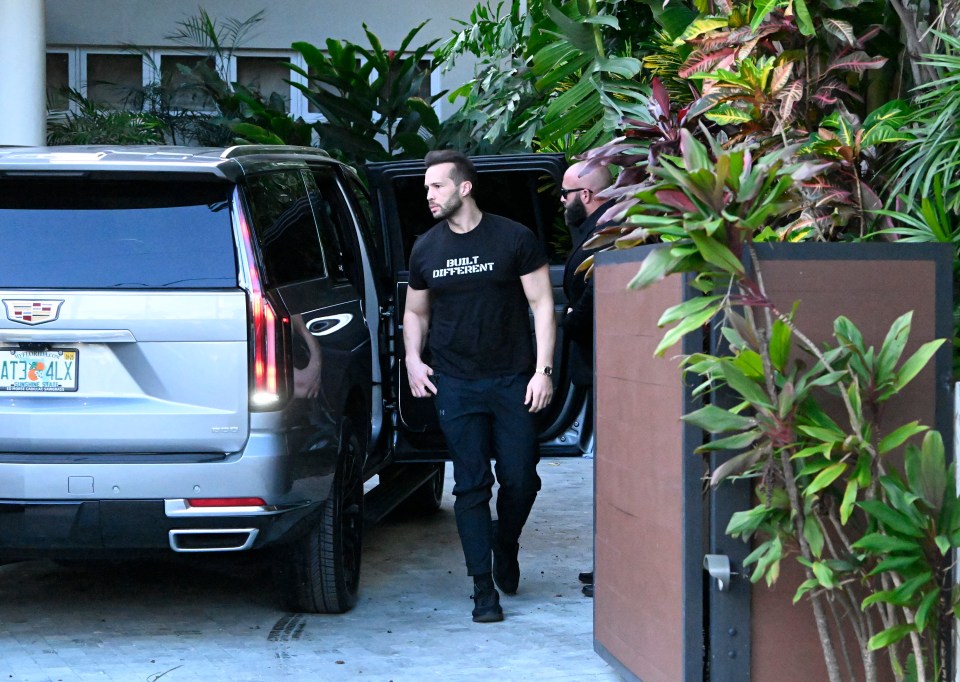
{"x": 582, "y": 209}
{"x": 579, "y": 198}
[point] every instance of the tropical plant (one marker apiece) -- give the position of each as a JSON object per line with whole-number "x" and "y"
{"x": 550, "y": 76}
{"x": 372, "y": 100}
{"x": 931, "y": 156}
{"x": 89, "y": 123}
{"x": 876, "y": 546}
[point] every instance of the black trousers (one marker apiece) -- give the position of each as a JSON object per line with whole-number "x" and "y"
{"x": 480, "y": 419}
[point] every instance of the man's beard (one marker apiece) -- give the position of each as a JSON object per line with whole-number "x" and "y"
{"x": 574, "y": 213}
{"x": 448, "y": 209}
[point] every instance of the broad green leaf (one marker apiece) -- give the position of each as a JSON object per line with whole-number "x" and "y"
{"x": 780, "y": 343}
{"x": 847, "y": 332}
{"x": 717, "y": 420}
{"x": 906, "y": 594}
{"x": 825, "y": 478}
{"x": 825, "y": 576}
{"x": 879, "y": 543}
{"x": 747, "y": 388}
{"x": 897, "y": 437}
{"x": 890, "y": 636}
{"x": 922, "y": 616}
{"x": 823, "y": 449}
{"x": 913, "y": 365}
{"x": 657, "y": 265}
{"x": 813, "y": 534}
{"x": 943, "y": 544}
{"x": 746, "y": 522}
{"x": 898, "y": 564}
{"x": 624, "y": 67}
{"x": 903, "y": 500}
{"x": 716, "y": 253}
{"x": 823, "y": 434}
{"x": 863, "y": 471}
{"x": 804, "y": 21}
{"x": 891, "y": 519}
{"x": 926, "y": 469}
{"x": 892, "y": 347}
{"x": 685, "y": 326}
{"x": 849, "y": 499}
{"x": 805, "y": 587}
{"x": 688, "y": 307}
{"x": 750, "y": 363}
{"x": 813, "y": 466}
{"x": 763, "y": 8}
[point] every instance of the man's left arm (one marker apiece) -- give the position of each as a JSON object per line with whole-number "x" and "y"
{"x": 539, "y": 293}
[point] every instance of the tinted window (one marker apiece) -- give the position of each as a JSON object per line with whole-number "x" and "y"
{"x": 111, "y": 233}
{"x": 371, "y": 236}
{"x": 337, "y": 226}
{"x": 283, "y": 221}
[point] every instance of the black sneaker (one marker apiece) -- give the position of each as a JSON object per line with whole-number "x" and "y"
{"x": 586, "y": 577}
{"x": 506, "y": 567}
{"x": 486, "y": 605}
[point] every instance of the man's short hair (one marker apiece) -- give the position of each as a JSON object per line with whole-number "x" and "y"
{"x": 463, "y": 169}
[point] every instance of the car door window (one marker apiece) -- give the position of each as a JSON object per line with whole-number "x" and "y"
{"x": 336, "y": 225}
{"x": 285, "y": 227}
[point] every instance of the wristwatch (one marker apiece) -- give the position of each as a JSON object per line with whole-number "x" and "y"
{"x": 545, "y": 371}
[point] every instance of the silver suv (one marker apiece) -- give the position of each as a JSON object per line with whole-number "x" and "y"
{"x": 199, "y": 353}
{"x": 189, "y": 357}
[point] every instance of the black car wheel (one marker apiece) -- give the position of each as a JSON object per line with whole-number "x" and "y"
{"x": 321, "y": 570}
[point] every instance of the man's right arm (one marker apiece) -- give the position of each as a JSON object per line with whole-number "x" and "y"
{"x": 416, "y": 322}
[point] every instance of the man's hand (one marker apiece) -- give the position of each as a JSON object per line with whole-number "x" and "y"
{"x": 539, "y": 392}
{"x": 418, "y": 374}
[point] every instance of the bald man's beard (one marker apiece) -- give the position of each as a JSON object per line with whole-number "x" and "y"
{"x": 574, "y": 213}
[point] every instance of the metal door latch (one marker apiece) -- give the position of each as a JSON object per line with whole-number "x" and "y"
{"x": 718, "y": 566}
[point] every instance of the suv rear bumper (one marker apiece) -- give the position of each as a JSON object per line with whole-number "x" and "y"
{"x": 59, "y": 504}
{"x": 63, "y": 527}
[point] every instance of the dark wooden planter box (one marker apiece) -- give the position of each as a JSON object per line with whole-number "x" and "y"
{"x": 657, "y": 617}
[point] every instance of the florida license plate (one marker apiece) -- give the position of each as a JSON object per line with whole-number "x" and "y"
{"x": 38, "y": 370}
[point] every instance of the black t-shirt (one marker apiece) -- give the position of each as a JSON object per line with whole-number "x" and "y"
{"x": 479, "y": 323}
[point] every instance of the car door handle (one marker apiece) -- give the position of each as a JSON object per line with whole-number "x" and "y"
{"x": 66, "y": 336}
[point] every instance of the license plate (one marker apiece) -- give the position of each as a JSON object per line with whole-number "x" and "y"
{"x": 38, "y": 370}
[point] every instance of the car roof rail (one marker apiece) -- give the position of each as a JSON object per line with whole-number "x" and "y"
{"x": 253, "y": 149}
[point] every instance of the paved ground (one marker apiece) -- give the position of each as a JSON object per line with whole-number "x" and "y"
{"x": 184, "y": 622}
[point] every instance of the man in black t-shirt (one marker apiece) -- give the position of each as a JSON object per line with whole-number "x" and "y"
{"x": 473, "y": 277}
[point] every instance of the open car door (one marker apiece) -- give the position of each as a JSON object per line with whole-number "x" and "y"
{"x": 524, "y": 188}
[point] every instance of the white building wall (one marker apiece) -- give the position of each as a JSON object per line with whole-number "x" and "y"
{"x": 115, "y": 23}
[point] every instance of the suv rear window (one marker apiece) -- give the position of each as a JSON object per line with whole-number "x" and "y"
{"x": 102, "y": 233}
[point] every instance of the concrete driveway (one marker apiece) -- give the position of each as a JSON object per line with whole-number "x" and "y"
{"x": 191, "y": 621}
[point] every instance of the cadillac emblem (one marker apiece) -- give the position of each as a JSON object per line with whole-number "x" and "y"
{"x": 32, "y": 312}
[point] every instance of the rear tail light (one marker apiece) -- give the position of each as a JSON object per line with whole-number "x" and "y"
{"x": 270, "y": 372}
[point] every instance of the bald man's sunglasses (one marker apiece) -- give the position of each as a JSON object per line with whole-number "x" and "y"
{"x": 564, "y": 192}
